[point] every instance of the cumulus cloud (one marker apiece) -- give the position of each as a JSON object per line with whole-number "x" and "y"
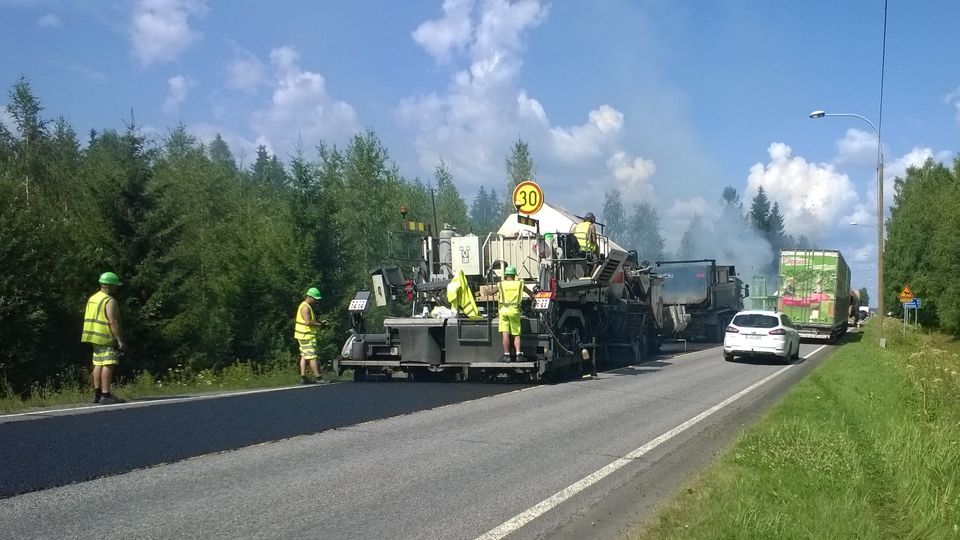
{"x": 857, "y": 147}
{"x": 161, "y": 28}
{"x": 475, "y": 121}
{"x": 177, "y": 89}
{"x": 49, "y": 21}
{"x": 300, "y": 109}
{"x": 441, "y": 37}
{"x": 632, "y": 175}
{"x": 246, "y": 72}
{"x": 812, "y": 196}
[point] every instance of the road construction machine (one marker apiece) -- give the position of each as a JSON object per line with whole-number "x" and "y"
{"x": 584, "y": 310}
{"x": 700, "y": 298}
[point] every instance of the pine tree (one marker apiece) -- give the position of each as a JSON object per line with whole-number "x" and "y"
{"x": 760, "y": 212}
{"x": 613, "y": 217}
{"x": 643, "y": 232}
{"x": 451, "y": 208}
{"x": 519, "y": 168}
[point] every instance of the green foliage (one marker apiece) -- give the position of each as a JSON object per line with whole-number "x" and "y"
{"x": 486, "y": 212}
{"x": 613, "y": 217}
{"x": 643, "y": 232}
{"x": 519, "y": 168}
{"x": 923, "y": 243}
{"x": 214, "y": 258}
{"x": 451, "y": 208}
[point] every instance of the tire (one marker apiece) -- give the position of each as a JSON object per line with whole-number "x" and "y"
{"x": 728, "y": 357}
{"x": 796, "y": 354}
{"x": 359, "y": 374}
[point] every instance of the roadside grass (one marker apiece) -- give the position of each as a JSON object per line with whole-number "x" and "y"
{"x": 868, "y": 446}
{"x": 74, "y": 387}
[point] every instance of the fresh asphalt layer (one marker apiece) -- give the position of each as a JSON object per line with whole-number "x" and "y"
{"x": 462, "y": 471}
{"x": 39, "y": 451}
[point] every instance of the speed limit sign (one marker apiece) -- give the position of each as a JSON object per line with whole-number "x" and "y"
{"x": 527, "y": 197}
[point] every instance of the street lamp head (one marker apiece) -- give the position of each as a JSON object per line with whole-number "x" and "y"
{"x": 818, "y": 114}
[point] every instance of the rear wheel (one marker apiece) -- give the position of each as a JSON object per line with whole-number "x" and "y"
{"x": 796, "y": 353}
{"x": 728, "y": 357}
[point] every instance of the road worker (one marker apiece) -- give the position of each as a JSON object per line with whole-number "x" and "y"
{"x": 509, "y": 295}
{"x": 586, "y": 234}
{"x": 305, "y": 332}
{"x": 102, "y": 329}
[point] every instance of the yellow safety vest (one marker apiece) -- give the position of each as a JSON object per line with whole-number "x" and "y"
{"x": 302, "y": 330}
{"x": 511, "y": 293}
{"x": 582, "y": 233}
{"x": 96, "y": 326}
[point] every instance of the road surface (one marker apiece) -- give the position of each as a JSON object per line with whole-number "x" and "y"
{"x": 582, "y": 458}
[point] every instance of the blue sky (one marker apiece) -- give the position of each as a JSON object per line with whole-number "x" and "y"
{"x": 669, "y": 101}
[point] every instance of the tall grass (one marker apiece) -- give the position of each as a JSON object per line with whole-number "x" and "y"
{"x": 868, "y": 446}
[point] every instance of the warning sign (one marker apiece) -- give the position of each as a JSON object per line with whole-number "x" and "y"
{"x": 906, "y": 295}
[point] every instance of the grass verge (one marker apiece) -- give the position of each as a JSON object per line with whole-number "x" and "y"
{"x": 868, "y": 446}
{"x": 74, "y": 388}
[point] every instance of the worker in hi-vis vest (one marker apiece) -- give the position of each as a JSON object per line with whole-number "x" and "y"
{"x": 586, "y": 234}
{"x": 101, "y": 328}
{"x": 509, "y": 295}
{"x": 305, "y": 332}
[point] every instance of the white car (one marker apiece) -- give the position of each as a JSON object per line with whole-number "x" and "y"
{"x": 761, "y": 333}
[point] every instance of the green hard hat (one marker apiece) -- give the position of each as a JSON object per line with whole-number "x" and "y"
{"x": 109, "y": 278}
{"x": 510, "y": 271}
{"x": 314, "y": 293}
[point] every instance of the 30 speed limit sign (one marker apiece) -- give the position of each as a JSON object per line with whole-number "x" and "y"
{"x": 528, "y": 197}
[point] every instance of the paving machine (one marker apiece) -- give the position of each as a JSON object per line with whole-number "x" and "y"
{"x": 583, "y": 307}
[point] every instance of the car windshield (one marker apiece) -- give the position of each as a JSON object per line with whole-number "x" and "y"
{"x": 755, "y": 320}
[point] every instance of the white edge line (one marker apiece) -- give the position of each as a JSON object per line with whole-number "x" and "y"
{"x": 154, "y": 401}
{"x": 559, "y": 497}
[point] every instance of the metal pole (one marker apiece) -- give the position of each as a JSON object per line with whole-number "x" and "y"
{"x": 880, "y": 236}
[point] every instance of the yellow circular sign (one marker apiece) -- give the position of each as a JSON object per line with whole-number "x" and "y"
{"x": 528, "y": 197}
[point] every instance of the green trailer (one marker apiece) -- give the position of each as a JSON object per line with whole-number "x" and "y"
{"x": 815, "y": 292}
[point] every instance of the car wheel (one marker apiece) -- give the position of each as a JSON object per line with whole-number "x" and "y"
{"x": 796, "y": 353}
{"x": 728, "y": 357}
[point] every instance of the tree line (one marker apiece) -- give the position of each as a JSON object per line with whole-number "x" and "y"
{"x": 214, "y": 256}
{"x": 640, "y": 230}
{"x": 923, "y": 244}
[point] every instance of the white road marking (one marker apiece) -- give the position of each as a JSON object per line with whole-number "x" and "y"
{"x": 559, "y": 497}
{"x": 158, "y": 400}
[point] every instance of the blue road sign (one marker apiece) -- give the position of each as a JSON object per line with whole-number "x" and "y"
{"x": 915, "y": 303}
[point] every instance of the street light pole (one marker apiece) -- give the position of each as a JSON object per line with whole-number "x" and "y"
{"x": 880, "y": 308}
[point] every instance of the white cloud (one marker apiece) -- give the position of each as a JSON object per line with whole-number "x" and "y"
{"x": 49, "y": 21}
{"x": 161, "y": 28}
{"x": 243, "y": 149}
{"x": 632, "y": 175}
{"x": 301, "y": 109}
{"x": 954, "y": 99}
{"x": 246, "y": 72}
{"x": 441, "y": 37}
{"x": 177, "y": 89}
{"x": 588, "y": 139}
{"x": 475, "y": 121}
{"x": 812, "y": 196}
{"x": 857, "y": 147}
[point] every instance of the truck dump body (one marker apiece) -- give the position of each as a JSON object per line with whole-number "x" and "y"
{"x": 700, "y": 298}
{"x": 815, "y": 291}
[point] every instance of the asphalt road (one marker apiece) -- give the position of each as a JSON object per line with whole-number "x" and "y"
{"x": 450, "y": 472}
{"x": 39, "y": 451}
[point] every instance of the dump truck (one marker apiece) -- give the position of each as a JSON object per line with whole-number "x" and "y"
{"x": 585, "y": 307}
{"x": 700, "y": 298}
{"x": 815, "y": 292}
